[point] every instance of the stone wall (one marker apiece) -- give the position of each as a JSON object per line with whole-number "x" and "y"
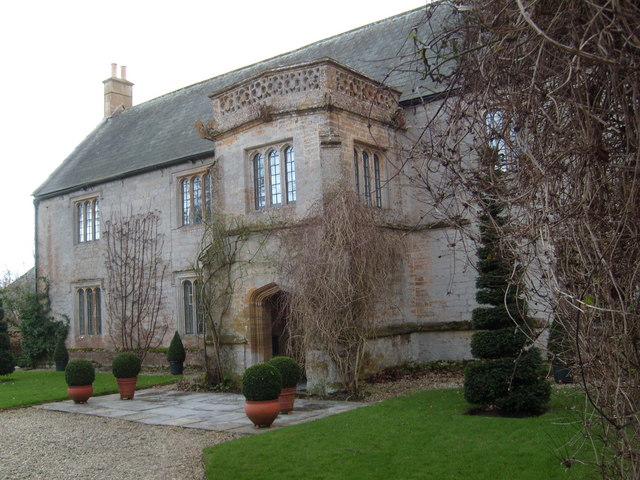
{"x": 434, "y": 284}
{"x": 152, "y": 359}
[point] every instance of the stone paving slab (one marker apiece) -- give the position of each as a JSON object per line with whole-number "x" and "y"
{"x": 207, "y": 411}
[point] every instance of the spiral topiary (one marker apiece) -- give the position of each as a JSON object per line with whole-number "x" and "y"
{"x": 79, "y": 372}
{"x": 261, "y": 382}
{"x": 509, "y": 373}
{"x": 289, "y": 370}
{"x": 126, "y": 365}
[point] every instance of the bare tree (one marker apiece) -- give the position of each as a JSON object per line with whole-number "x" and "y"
{"x": 135, "y": 274}
{"x": 553, "y": 88}
{"x": 338, "y": 264}
{"x": 219, "y": 268}
{"x": 14, "y": 290}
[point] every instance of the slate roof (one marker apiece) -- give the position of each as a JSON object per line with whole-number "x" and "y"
{"x": 160, "y": 132}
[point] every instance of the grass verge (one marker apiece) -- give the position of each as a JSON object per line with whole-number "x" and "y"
{"x": 34, "y": 387}
{"x": 422, "y": 436}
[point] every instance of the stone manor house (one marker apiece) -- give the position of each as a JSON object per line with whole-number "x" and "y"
{"x": 285, "y": 129}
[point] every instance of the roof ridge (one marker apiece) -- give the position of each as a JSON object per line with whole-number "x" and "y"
{"x": 159, "y": 132}
{"x": 290, "y": 52}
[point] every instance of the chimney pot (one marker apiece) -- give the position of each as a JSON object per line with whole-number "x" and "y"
{"x": 114, "y": 70}
{"x": 123, "y": 72}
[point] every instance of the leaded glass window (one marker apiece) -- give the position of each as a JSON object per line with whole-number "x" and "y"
{"x": 188, "y": 307}
{"x": 90, "y": 306}
{"x": 89, "y": 311}
{"x": 81, "y": 313}
{"x": 89, "y": 216}
{"x": 81, "y": 224}
{"x": 366, "y": 174}
{"x": 197, "y": 199}
{"x": 186, "y": 201}
{"x": 502, "y": 139}
{"x": 193, "y": 313}
{"x": 356, "y": 168}
{"x": 367, "y": 167}
{"x": 258, "y": 172}
{"x": 290, "y": 169}
{"x": 376, "y": 177}
{"x": 195, "y": 192}
{"x": 275, "y": 177}
{"x": 88, "y": 221}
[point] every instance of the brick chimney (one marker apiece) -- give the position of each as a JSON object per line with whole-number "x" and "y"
{"x": 118, "y": 92}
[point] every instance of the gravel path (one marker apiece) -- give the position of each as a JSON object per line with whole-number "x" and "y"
{"x": 38, "y": 444}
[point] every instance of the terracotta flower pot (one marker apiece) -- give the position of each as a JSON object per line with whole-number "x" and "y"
{"x": 126, "y": 387}
{"x": 287, "y": 398}
{"x": 80, "y": 394}
{"x": 262, "y": 413}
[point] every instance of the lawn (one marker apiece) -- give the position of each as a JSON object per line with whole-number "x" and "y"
{"x": 33, "y": 387}
{"x": 423, "y": 436}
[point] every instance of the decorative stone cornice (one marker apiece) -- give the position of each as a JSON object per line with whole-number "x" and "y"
{"x": 322, "y": 84}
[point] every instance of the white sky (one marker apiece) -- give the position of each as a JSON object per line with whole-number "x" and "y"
{"x": 55, "y": 55}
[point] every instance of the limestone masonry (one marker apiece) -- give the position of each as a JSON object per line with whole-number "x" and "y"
{"x": 281, "y": 133}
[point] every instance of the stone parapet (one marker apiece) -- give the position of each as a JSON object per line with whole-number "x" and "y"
{"x": 323, "y": 84}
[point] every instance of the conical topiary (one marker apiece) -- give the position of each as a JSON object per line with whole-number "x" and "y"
{"x": 176, "y": 352}
{"x": 60, "y": 354}
{"x": 509, "y": 373}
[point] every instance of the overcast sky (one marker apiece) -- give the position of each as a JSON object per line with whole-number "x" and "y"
{"x": 55, "y": 55}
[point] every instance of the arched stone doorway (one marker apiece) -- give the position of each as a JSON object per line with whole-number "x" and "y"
{"x": 267, "y": 323}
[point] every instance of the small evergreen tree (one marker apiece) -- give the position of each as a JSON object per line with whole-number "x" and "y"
{"x": 176, "y": 352}
{"x": 509, "y": 373}
{"x": 7, "y": 365}
{"x": 61, "y": 354}
{"x": 38, "y": 330}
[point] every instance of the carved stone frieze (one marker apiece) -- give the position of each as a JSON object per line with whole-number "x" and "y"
{"x": 323, "y": 84}
{"x": 260, "y": 89}
{"x": 365, "y": 90}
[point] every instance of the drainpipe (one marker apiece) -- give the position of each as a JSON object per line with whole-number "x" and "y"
{"x": 36, "y": 204}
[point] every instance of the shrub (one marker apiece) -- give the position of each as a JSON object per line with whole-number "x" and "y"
{"x": 261, "y": 382}
{"x": 492, "y": 318}
{"x": 7, "y": 364}
{"x": 79, "y": 372}
{"x": 176, "y": 352}
{"x": 514, "y": 385}
{"x": 60, "y": 354}
{"x": 38, "y": 330}
{"x": 529, "y": 398}
{"x": 5, "y": 344}
{"x": 505, "y": 342}
{"x": 126, "y": 365}
{"x": 508, "y": 376}
{"x": 487, "y": 380}
{"x": 289, "y": 370}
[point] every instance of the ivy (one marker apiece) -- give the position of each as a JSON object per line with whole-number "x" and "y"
{"x": 38, "y": 330}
